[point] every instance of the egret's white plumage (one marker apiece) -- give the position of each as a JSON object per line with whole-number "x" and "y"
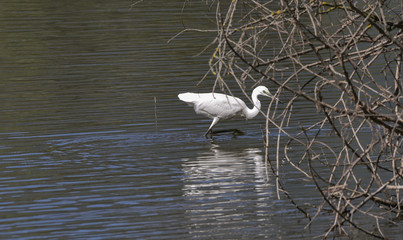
{"x": 219, "y": 106}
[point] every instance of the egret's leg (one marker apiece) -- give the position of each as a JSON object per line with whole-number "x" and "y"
{"x": 215, "y": 121}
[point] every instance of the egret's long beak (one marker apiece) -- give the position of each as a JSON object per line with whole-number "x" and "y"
{"x": 268, "y": 94}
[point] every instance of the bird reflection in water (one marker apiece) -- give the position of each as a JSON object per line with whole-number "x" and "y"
{"x": 225, "y": 191}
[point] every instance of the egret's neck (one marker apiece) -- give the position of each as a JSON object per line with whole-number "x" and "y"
{"x": 251, "y": 113}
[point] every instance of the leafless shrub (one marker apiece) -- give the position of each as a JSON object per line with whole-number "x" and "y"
{"x": 343, "y": 59}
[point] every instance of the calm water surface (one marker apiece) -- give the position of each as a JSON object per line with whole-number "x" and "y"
{"x": 95, "y": 144}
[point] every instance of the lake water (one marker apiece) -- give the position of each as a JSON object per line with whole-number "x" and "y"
{"x": 96, "y": 145}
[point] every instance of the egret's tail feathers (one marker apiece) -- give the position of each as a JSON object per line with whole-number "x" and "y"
{"x": 187, "y": 97}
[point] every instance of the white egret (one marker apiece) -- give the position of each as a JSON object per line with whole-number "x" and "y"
{"x": 220, "y": 106}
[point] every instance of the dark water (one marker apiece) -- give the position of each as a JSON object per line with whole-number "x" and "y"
{"x": 95, "y": 144}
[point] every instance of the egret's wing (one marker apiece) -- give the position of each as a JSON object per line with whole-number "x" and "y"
{"x": 219, "y": 105}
